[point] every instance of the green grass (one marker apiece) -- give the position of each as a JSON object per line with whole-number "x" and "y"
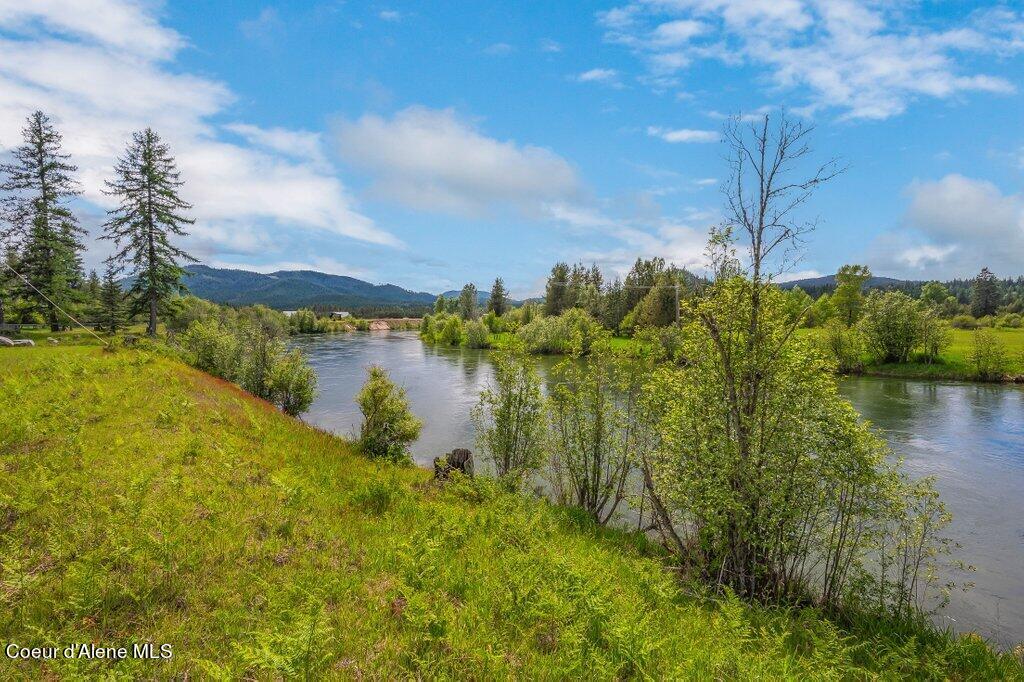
{"x": 141, "y": 500}
{"x": 955, "y": 362}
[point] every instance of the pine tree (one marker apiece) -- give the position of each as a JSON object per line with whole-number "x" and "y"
{"x": 112, "y": 315}
{"x": 92, "y": 286}
{"x": 499, "y": 298}
{"x": 556, "y": 294}
{"x": 150, "y": 213}
{"x": 984, "y": 294}
{"x": 40, "y": 184}
{"x": 440, "y": 305}
{"x": 8, "y": 281}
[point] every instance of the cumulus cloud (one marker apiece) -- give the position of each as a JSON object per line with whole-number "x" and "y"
{"x": 683, "y": 134}
{"x": 599, "y": 75}
{"x": 432, "y": 159}
{"x": 952, "y": 228}
{"x": 867, "y": 59}
{"x": 104, "y": 68}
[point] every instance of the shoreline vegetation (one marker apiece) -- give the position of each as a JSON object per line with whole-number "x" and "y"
{"x": 392, "y": 574}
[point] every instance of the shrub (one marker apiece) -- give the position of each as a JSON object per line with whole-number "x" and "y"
{"x": 1010, "y": 321}
{"x": 571, "y": 332}
{"x": 935, "y": 335}
{"x": 509, "y": 418}
{"x": 184, "y": 311}
{"x": 477, "y": 334}
{"x": 963, "y": 321}
{"x": 292, "y": 383}
{"x": 450, "y": 332}
{"x": 388, "y": 426}
{"x": 891, "y": 324}
{"x": 845, "y": 345}
{"x": 211, "y": 347}
{"x": 988, "y": 356}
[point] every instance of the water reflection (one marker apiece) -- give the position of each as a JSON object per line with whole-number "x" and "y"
{"x": 970, "y": 436}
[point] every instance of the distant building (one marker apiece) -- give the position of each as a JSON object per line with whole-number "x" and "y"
{"x": 340, "y": 315}
{"x": 289, "y": 313}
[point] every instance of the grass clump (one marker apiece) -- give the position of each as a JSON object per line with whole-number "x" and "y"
{"x": 144, "y": 500}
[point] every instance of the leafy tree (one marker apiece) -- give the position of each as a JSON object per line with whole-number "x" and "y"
{"x": 590, "y": 434}
{"x": 934, "y": 294}
{"x": 150, "y": 213}
{"x": 659, "y": 305}
{"x": 498, "y": 302}
{"x": 614, "y": 308}
{"x": 848, "y": 298}
{"x": 509, "y": 417}
{"x": 935, "y": 335}
{"x": 440, "y": 305}
{"x": 451, "y": 331}
{"x": 40, "y": 185}
{"x": 388, "y": 425}
{"x": 112, "y": 313}
{"x": 892, "y": 325}
{"x": 988, "y": 356}
{"x": 292, "y": 383}
{"x": 477, "y": 334}
{"x": 556, "y": 292}
{"x": 467, "y": 302}
{"x": 984, "y": 294}
{"x": 798, "y": 306}
{"x": 846, "y": 345}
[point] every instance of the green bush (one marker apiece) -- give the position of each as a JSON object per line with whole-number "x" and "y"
{"x": 845, "y": 345}
{"x": 963, "y": 321}
{"x": 571, "y": 332}
{"x": 1010, "y": 321}
{"x": 388, "y": 426}
{"x": 988, "y": 356}
{"x": 891, "y": 324}
{"x": 477, "y": 334}
{"x": 450, "y": 332}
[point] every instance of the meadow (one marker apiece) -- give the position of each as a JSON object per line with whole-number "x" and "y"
{"x": 142, "y": 500}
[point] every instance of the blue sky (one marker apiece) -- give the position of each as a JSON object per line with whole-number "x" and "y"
{"x": 430, "y": 144}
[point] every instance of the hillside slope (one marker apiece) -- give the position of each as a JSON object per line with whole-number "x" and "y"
{"x": 291, "y": 289}
{"x": 141, "y": 500}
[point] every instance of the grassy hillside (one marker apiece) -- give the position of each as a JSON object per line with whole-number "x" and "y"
{"x": 141, "y": 500}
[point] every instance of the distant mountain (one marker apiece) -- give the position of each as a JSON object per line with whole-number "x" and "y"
{"x": 482, "y": 297}
{"x": 829, "y": 282}
{"x": 291, "y": 289}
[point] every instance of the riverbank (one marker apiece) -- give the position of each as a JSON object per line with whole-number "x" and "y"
{"x": 954, "y": 364}
{"x": 143, "y": 500}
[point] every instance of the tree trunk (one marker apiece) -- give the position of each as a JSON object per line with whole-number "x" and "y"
{"x": 151, "y": 329}
{"x": 52, "y": 318}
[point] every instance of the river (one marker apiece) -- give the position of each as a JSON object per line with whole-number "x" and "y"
{"x": 969, "y": 436}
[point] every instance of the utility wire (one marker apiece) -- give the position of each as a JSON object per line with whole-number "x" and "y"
{"x": 50, "y": 301}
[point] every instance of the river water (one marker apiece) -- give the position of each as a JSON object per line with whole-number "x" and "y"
{"x": 969, "y": 436}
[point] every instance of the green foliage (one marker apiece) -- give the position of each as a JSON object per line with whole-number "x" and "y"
{"x": 963, "y": 322}
{"x": 935, "y": 335}
{"x": 556, "y": 291}
{"x": 477, "y": 334}
{"x": 984, "y": 294}
{"x": 509, "y": 417}
{"x": 450, "y": 332}
{"x": 149, "y": 215}
{"x": 988, "y": 356}
{"x": 467, "y": 302}
{"x": 112, "y": 309}
{"x": 571, "y": 332}
{"x": 846, "y": 346}
{"x": 188, "y": 309}
{"x": 303, "y": 321}
{"x": 40, "y": 185}
{"x": 591, "y": 433}
{"x": 849, "y": 297}
{"x": 248, "y": 350}
{"x": 498, "y": 302}
{"x": 261, "y": 548}
{"x": 892, "y": 325}
{"x": 388, "y": 426}
{"x": 764, "y": 466}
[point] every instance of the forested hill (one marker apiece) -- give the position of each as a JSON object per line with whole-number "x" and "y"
{"x": 291, "y": 289}
{"x": 960, "y": 288}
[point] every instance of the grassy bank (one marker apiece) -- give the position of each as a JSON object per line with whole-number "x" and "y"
{"x": 141, "y": 500}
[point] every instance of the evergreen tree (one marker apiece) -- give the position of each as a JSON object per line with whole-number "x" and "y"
{"x": 111, "y": 302}
{"x": 150, "y": 213}
{"x": 499, "y": 298}
{"x": 467, "y": 302}
{"x": 92, "y": 286}
{"x": 984, "y": 294}
{"x": 556, "y": 294}
{"x": 39, "y": 183}
{"x": 8, "y": 282}
{"x": 439, "y": 305}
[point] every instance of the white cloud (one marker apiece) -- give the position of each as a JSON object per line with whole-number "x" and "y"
{"x": 549, "y": 45}
{"x": 390, "y": 15}
{"x": 99, "y": 85}
{"x": 868, "y": 59}
{"x": 497, "y": 49}
{"x": 798, "y": 274}
{"x": 952, "y": 228}
{"x": 431, "y": 159}
{"x": 683, "y": 134}
{"x": 608, "y": 76}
